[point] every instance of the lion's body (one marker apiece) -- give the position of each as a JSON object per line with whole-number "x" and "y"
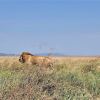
{"x": 35, "y": 60}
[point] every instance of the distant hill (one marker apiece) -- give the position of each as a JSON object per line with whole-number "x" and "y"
{"x": 4, "y": 54}
{"x": 41, "y": 54}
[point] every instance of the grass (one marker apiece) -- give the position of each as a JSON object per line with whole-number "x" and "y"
{"x": 72, "y": 78}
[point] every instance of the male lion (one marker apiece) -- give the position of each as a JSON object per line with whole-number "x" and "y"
{"x": 28, "y": 58}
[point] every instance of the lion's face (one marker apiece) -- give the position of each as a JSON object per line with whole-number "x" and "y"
{"x": 21, "y": 59}
{"x": 24, "y": 57}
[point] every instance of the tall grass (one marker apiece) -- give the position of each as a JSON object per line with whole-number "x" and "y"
{"x": 69, "y": 79}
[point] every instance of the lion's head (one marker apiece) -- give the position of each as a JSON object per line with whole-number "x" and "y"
{"x": 24, "y": 57}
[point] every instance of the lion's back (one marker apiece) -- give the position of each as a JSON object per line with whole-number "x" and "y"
{"x": 42, "y": 60}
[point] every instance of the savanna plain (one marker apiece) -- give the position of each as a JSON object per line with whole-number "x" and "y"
{"x": 70, "y": 78}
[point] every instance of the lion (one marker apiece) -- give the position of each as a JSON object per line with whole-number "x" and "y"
{"x": 29, "y": 58}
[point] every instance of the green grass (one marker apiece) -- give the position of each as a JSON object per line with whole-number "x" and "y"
{"x": 67, "y": 81}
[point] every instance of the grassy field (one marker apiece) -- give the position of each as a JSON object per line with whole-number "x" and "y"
{"x": 70, "y": 78}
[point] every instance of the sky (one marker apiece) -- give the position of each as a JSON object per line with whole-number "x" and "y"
{"x": 70, "y": 27}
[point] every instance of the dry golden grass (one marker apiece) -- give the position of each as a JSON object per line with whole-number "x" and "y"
{"x": 71, "y": 78}
{"x": 60, "y": 60}
{"x": 72, "y": 63}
